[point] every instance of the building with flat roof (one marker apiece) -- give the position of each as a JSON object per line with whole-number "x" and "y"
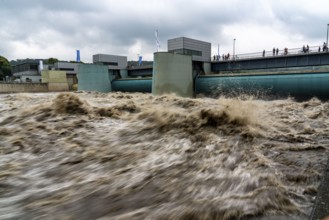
{"x": 114, "y": 62}
{"x": 26, "y": 68}
{"x": 199, "y": 50}
{"x": 29, "y": 70}
{"x": 70, "y": 68}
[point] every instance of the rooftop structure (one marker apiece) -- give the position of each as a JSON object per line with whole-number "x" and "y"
{"x": 199, "y": 50}
{"x": 70, "y": 68}
{"x": 113, "y": 61}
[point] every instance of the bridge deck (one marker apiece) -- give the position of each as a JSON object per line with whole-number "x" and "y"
{"x": 270, "y": 62}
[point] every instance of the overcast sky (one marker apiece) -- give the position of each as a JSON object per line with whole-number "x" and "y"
{"x": 45, "y": 28}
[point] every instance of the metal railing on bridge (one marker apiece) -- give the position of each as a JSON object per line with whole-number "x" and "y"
{"x": 273, "y": 53}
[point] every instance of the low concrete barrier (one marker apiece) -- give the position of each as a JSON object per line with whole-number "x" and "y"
{"x": 58, "y": 87}
{"x": 23, "y": 87}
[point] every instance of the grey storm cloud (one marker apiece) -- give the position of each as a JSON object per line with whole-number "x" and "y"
{"x": 118, "y": 26}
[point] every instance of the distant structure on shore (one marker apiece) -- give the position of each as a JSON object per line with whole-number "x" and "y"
{"x": 115, "y": 73}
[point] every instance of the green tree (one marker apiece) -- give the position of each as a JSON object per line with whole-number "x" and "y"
{"x": 73, "y": 61}
{"x": 52, "y": 60}
{"x": 5, "y": 68}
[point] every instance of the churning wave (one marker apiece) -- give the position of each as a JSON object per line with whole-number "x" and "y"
{"x": 138, "y": 156}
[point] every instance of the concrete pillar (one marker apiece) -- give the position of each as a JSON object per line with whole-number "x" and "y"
{"x": 172, "y": 73}
{"x": 124, "y": 73}
{"x": 207, "y": 68}
{"x": 93, "y": 77}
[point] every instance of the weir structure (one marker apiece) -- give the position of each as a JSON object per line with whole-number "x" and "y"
{"x": 297, "y": 73}
{"x": 294, "y": 72}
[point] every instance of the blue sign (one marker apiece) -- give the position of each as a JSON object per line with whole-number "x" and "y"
{"x": 78, "y": 56}
{"x": 140, "y": 60}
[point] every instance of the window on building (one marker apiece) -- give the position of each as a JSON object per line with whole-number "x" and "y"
{"x": 67, "y": 69}
{"x": 110, "y": 63}
{"x": 33, "y": 67}
{"x": 187, "y": 52}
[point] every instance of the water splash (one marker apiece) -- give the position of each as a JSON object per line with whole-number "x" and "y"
{"x": 135, "y": 156}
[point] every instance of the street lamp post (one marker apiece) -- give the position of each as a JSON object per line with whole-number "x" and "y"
{"x": 327, "y": 36}
{"x": 234, "y": 49}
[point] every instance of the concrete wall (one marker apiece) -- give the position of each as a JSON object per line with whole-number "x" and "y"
{"x": 172, "y": 73}
{"x": 23, "y": 87}
{"x": 56, "y": 80}
{"x": 53, "y": 76}
{"x": 26, "y": 73}
{"x": 207, "y": 68}
{"x": 34, "y": 79}
{"x": 124, "y": 73}
{"x": 93, "y": 77}
{"x": 58, "y": 87}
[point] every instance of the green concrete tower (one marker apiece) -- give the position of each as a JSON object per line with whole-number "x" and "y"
{"x": 93, "y": 77}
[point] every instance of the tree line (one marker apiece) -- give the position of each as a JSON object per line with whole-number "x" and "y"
{"x": 5, "y": 68}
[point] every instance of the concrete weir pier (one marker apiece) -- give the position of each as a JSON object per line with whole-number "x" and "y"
{"x": 172, "y": 73}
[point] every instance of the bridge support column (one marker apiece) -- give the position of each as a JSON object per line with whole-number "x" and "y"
{"x": 172, "y": 73}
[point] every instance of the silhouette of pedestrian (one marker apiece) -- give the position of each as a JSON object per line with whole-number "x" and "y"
{"x": 324, "y": 47}
{"x": 277, "y": 51}
{"x": 285, "y": 51}
{"x": 273, "y": 51}
{"x": 263, "y": 53}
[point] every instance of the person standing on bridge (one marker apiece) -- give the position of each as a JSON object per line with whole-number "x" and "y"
{"x": 277, "y": 51}
{"x": 285, "y": 51}
{"x": 273, "y": 51}
{"x": 263, "y": 53}
{"x": 325, "y": 48}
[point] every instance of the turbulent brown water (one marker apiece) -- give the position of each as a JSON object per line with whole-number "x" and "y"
{"x": 138, "y": 156}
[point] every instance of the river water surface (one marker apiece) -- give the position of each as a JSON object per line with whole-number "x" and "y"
{"x": 138, "y": 156}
